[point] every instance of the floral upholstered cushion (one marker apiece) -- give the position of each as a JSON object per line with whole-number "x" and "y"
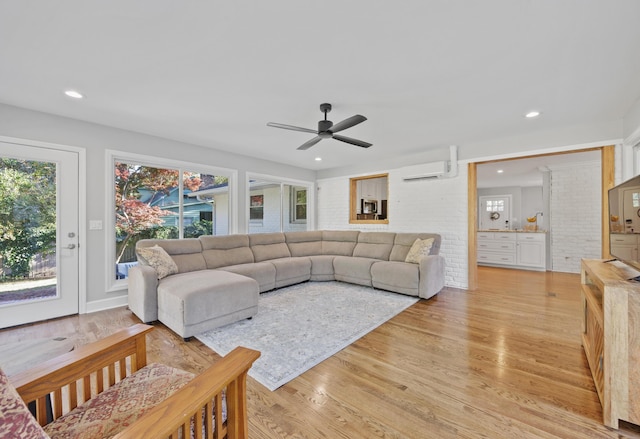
{"x": 119, "y": 406}
{"x": 419, "y": 249}
{"x": 16, "y": 420}
{"x": 157, "y": 258}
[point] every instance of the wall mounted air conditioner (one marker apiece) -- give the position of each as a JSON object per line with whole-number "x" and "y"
{"x": 425, "y": 171}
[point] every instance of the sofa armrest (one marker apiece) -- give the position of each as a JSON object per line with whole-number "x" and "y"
{"x": 83, "y": 368}
{"x": 143, "y": 292}
{"x": 431, "y": 276}
{"x": 202, "y": 395}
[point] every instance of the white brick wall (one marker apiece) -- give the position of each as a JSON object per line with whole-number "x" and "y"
{"x": 575, "y": 215}
{"x": 438, "y": 206}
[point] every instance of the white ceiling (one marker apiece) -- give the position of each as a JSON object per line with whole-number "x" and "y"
{"x": 527, "y": 171}
{"x": 426, "y": 73}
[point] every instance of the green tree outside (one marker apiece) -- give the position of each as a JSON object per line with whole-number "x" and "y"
{"x": 27, "y": 213}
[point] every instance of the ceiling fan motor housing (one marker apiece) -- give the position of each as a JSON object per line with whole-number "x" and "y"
{"x": 324, "y": 127}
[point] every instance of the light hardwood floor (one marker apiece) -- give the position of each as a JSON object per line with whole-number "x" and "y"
{"x": 504, "y": 361}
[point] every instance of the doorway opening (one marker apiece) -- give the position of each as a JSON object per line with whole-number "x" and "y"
{"x": 607, "y": 181}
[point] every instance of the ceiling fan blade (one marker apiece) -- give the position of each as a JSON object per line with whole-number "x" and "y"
{"x": 348, "y": 123}
{"x": 352, "y": 141}
{"x": 291, "y": 127}
{"x": 310, "y": 143}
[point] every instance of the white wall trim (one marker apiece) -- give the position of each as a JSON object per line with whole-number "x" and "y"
{"x": 82, "y": 208}
{"x": 104, "y": 304}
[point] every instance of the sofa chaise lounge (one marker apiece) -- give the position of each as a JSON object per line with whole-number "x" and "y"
{"x": 212, "y": 281}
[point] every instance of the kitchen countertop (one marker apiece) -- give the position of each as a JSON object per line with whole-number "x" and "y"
{"x": 512, "y": 231}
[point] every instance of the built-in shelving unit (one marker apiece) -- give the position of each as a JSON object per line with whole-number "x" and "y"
{"x": 611, "y": 337}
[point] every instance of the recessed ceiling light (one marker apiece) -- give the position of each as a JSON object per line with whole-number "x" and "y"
{"x": 74, "y": 94}
{"x": 532, "y": 114}
{"x": 318, "y": 159}
{"x": 500, "y": 171}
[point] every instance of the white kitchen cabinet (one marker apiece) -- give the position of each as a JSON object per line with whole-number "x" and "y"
{"x": 531, "y": 250}
{"x": 369, "y": 189}
{"x": 496, "y": 248}
{"x": 512, "y": 249}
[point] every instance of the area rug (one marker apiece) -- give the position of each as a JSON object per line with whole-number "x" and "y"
{"x": 299, "y": 326}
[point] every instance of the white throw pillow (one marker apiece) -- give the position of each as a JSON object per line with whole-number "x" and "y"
{"x": 157, "y": 258}
{"x": 419, "y": 249}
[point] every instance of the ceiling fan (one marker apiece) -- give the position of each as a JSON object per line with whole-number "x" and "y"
{"x": 326, "y": 129}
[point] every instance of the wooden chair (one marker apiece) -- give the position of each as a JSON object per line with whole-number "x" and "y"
{"x": 195, "y": 409}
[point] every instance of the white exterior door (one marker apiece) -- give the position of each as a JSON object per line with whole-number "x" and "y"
{"x": 495, "y": 212}
{"x": 41, "y": 207}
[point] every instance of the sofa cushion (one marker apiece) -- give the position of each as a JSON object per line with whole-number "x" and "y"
{"x": 339, "y": 242}
{"x": 419, "y": 249}
{"x": 158, "y": 259}
{"x": 190, "y": 298}
{"x": 399, "y": 277}
{"x": 353, "y": 269}
{"x": 263, "y": 272}
{"x": 291, "y": 271}
{"x": 219, "y": 251}
{"x": 304, "y": 243}
{"x": 16, "y": 420}
{"x": 322, "y": 268}
{"x": 375, "y": 245}
{"x": 120, "y": 405}
{"x": 267, "y": 246}
{"x": 186, "y": 253}
{"x": 403, "y": 242}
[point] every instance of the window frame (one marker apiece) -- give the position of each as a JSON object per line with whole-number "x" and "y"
{"x": 283, "y": 181}
{"x": 113, "y": 156}
{"x": 353, "y": 200}
{"x": 293, "y": 198}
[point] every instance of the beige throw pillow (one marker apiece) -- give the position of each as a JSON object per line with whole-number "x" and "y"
{"x": 157, "y": 258}
{"x": 419, "y": 249}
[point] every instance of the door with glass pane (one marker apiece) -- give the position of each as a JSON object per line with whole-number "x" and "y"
{"x": 39, "y": 268}
{"x": 495, "y": 212}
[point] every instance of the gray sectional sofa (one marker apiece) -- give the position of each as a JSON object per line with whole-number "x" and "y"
{"x": 219, "y": 278}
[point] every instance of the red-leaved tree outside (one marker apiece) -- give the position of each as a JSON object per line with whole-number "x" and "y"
{"x": 137, "y": 188}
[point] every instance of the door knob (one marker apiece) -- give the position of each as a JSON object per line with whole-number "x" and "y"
{"x": 71, "y": 246}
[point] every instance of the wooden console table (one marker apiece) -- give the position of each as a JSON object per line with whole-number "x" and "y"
{"x": 611, "y": 337}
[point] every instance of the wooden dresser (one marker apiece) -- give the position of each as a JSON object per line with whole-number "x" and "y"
{"x": 611, "y": 337}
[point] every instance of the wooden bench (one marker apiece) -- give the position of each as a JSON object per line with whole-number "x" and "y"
{"x": 195, "y": 409}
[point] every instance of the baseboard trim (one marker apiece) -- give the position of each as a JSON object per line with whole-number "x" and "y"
{"x": 104, "y": 304}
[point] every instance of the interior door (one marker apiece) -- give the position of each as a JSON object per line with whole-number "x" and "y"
{"x": 495, "y": 212}
{"x": 39, "y": 262}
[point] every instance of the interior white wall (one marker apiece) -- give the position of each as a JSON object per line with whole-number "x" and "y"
{"x": 96, "y": 139}
{"x": 576, "y": 215}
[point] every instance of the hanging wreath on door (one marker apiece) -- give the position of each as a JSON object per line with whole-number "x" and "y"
{"x": 494, "y": 216}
